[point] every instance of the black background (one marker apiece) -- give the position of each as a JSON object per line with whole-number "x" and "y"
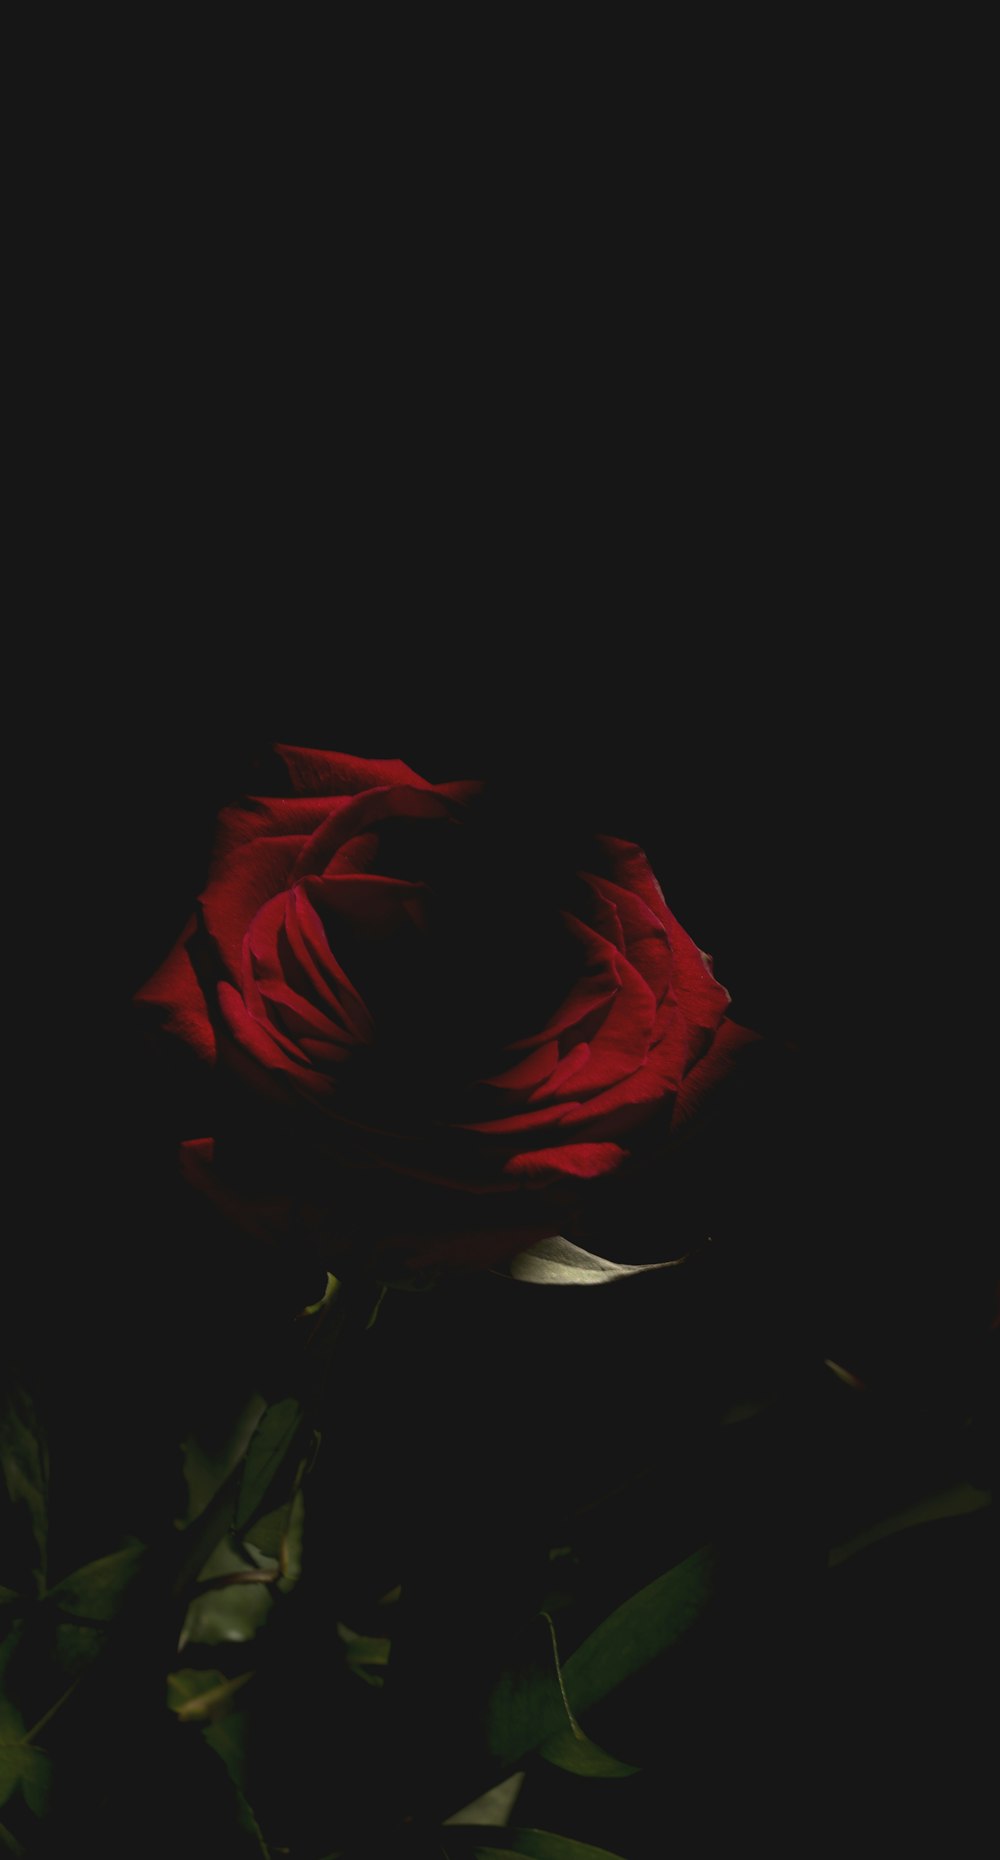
{"x": 713, "y": 588}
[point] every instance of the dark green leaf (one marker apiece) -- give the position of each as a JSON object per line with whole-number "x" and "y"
{"x": 533, "y": 1843}
{"x": 641, "y": 1629}
{"x": 528, "y": 1706}
{"x": 290, "y": 1550}
{"x": 97, "y": 1590}
{"x": 279, "y": 1433}
{"x": 9, "y": 1845}
{"x": 365, "y": 1652}
{"x": 76, "y": 1646}
{"x": 266, "y": 1534}
{"x": 204, "y": 1786}
{"x": 21, "y": 1763}
{"x": 228, "y": 1738}
{"x": 24, "y": 1462}
{"x": 956, "y": 1502}
{"x": 203, "y": 1694}
{"x": 582, "y": 1757}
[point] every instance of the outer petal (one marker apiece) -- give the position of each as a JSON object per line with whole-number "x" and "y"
{"x": 581, "y": 1161}
{"x": 703, "y": 999}
{"x": 352, "y": 816}
{"x": 176, "y": 990}
{"x": 722, "y": 1056}
{"x": 324, "y": 771}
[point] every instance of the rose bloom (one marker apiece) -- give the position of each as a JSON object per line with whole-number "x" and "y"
{"x": 435, "y": 1028}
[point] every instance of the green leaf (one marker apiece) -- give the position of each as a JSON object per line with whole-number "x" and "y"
{"x": 96, "y": 1591}
{"x": 267, "y": 1533}
{"x": 200, "y": 1780}
{"x": 362, "y": 1651}
{"x": 290, "y": 1551}
{"x": 641, "y": 1629}
{"x": 582, "y": 1757}
{"x": 529, "y": 1706}
{"x": 228, "y": 1738}
{"x": 24, "y": 1462}
{"x": 202, "y": 1694}
{"x": 557, "y": 1261}
{"x": 77, "y": 1645}
{"x": 956, "y": 1502}
{"x": 278, "y": 1434}
{"x": 496, "y": 1843}
{"x": 9, "y": 1845}
{"x": 21, "y": 1764}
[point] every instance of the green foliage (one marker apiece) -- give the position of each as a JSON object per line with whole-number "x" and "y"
{"x": 23, "y": 1766}
{"x": 529, "y": 1706}
{"x": 98, "y": 1590}
{"x": 572, "y": 1750}
{"x": 532, "y": 1843}
{"x": 24, "y": 1462}
{"x": 280, "y": 1432}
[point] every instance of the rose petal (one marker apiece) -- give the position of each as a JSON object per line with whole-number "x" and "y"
{"x": 645, "y": 937}
{"x": 582, "y": 1161}
{"x": 324, "y": 771}
{"x": 353, "y": 815}
{"x": 245, "y": 880}
{"x": 723, "y": 1055}
{"x": 177, "y": 992}
{"x": 309, "y": 946}
{"x": 271, "y": 1050}
{"x": 702, "y": 998}
{"x": 262, "y": 817}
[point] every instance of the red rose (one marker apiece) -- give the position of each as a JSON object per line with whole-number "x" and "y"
{"x": 423, "y": 996}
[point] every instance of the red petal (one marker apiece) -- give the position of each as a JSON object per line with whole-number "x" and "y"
{"x": 324, "y": 771}
{"x": 579, "y": 1160}
{"x": 265, "y": 1044}
{"x": 245, "y": 880}
{"x": 353, "y": 815}
{"x": 723, "y": 1054}
{"x": 176, "y": 990}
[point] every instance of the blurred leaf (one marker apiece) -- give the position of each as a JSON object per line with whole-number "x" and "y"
{"x": 7, "y": 1647}
{"x": 582, "y": 1757}
{"x": 232, "y": 1613}
{"x": 20, "y": 1763}
{"x": 24, "y": 1462}
{"x": 956, "y": 1502}
{"x": 277, "y": 1434}
{"x": 332, "y": 1287}
{"x": 203, "y": 1694}
{"x": 362, "y": 1651}
{"x": 527, "y": 1706}
{"x": 207, "y": 1465}
{"x": 9, "y": 1845}
{"x": 97, "y": 1590}
{"x": 76, "y": 1646}
{"x": 469, "y": 1844}
{"x": 206, "y": 1789}
{"x": 7, "y": 1595}
{"x": 290, "y": 1551}
{"x": 492, "y": 1810}
{"x": 267, "y": 1533}
{"x": 557, "y": 1261}
{"x": 190, "y": 1682}
{"x": 228, "y": 1739}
